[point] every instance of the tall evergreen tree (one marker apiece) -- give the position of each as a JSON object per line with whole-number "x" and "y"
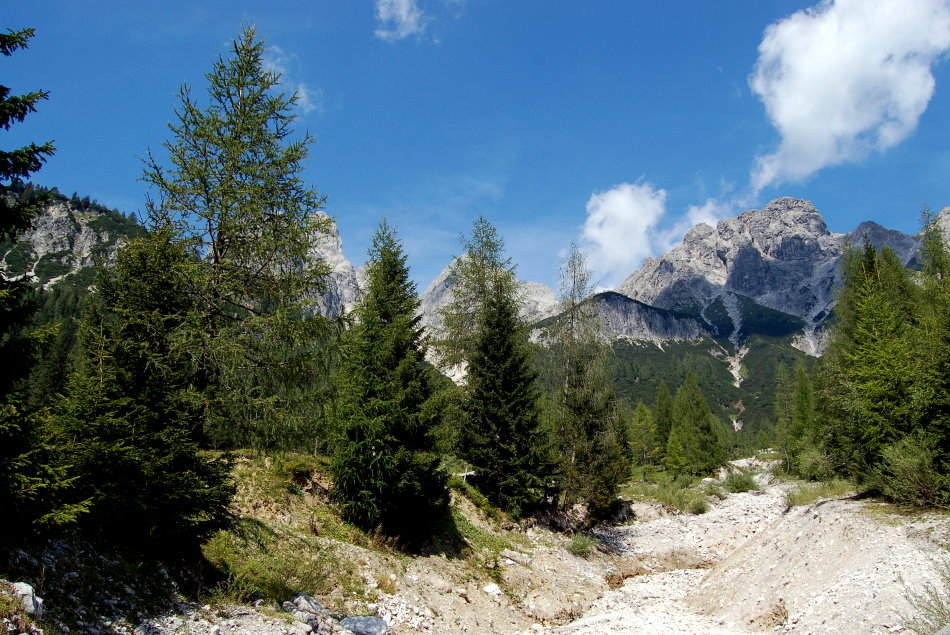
{"x": 129, "y": 426}
{"x": 642, "y": 436}
{"x": 481, "y": 271}
{"x": 867, "y": 394}
{"x": 235, "y": 195}
{"x": 694, "y": 445}
{"x": 23, "y": 477}
{"x": 784, "y": 409}
{"x": 591, "y": 430}
{"x": 662, "y": 417}
{"x": 500, "y": 435}
{"x": 386, "y": 471}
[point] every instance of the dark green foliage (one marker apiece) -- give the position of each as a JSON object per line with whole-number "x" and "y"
{"x": 590, "y": 420}
{"x": 129, "y": 424}
{"x": 642, "y": 436}
{"x": 501, "y": 436}
{"x": 868, "y": 369}
{"x": 881, "y": 413}
{"x": 695, "y": 443}
{"x": 233, "y": 191}
{"x": 481, "y": 271}
{"x": 24, "y": 472}
{"x": 385, "y": 469}
{"x": 662, "y": 418}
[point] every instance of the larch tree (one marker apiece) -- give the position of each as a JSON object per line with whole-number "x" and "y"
{"x": 591, "y": 428}
{"x": 233, "y": 190}
{"x": 386, "y": 472}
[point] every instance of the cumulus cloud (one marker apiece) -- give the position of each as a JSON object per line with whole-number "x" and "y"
{"x": 398, "y": 19}
{"x": 621, "y": 229}
{"x": 845, "y": 78}
{"x": 309, "y": 99}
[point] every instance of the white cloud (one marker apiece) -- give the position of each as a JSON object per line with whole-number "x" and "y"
{"x": 309, "y": 99}
{"x": 845, "y": 78}
{"x": 398, "y": 19}
{"x": 621, "y": 229}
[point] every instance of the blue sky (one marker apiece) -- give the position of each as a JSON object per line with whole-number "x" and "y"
{"x": 615, "y": 124}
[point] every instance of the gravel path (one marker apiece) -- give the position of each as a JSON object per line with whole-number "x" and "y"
{"x": 749, "y": 565}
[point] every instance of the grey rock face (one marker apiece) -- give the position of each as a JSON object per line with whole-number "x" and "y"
{"x": 64, "y": 239}
{"x": 342, "y": 283}
{"x": 619, "y": 317}
{"x": 782, "y": 257}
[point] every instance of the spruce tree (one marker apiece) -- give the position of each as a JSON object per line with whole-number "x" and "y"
{"x": 25, "y": 476}
{"x": 694, "y": 445}
{"x": 591, "y": 428}
{"x": 500, "y": 435}
{"x": 867, "y": 393}
{"x": 129, "y": 425}
{"x": 662, "y": 418}
{"x": 386, "y": 472}
{"x": 234, "y": 192}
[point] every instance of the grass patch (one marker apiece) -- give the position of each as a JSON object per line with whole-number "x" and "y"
{"x": 12, "y": 611}
{"x": 581, "y": 545}
{"x": 260, "y": 560}
{"x": 810, "y": 493}
{"x": 478, "y": 499}
{"x": 931, "y": 604}
{"x": 738, "y": 481}
{"x": 680, "y": 492}
{"x": 478, "y": 539}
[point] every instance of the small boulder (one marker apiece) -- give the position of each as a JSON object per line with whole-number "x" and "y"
{"x": 307, "y": 603}
{"x": 32, "y": 603}
{"x": 365, "y": 625}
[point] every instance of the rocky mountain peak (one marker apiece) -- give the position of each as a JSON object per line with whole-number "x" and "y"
{"x": 781, "y": 257}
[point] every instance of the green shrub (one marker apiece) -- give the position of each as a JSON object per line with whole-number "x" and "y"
{"x": 931, "y": 604}
{"x": 740, "y": 481}
{"x": 259, "y": 560}
{"x": 908, "y": 474}
{"x": 698, "y": 505}
{"x": 813, "y": 463}
{"x": 581, "y": 545}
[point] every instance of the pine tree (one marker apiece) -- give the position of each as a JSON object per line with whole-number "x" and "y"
{"x": 867, "y": 395}
{"x": 500, "y": 435}
{"x": 482, "y": 270}
{"x": 235, "y": 196}
{"x": 591, "y": 428}
{"x": 129, "y": 426}
{"x": 642, "y": 436}
{"x": 662, "y": 418}
{"x": 694, "y": 445}
{"x": 24, "y": 478}
{"x": 386, "y": 472}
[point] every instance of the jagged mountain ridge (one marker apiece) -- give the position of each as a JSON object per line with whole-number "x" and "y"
{"x": 782, "y": 257}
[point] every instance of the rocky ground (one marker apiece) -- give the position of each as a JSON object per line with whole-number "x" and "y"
{"x": 751, "y": 565}
{"x": 748, "y": 565}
